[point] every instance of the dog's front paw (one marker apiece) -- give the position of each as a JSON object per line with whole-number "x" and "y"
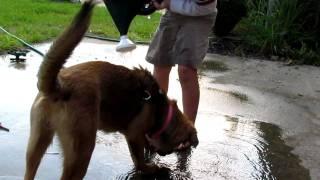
{"x": 163, "y": 170}
{"x": 152, "y": 168}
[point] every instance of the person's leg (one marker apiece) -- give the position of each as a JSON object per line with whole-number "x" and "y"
{"x": 190, "y": 90}
{"x": 161, "y": 74}
{"x": 191, "y": 47}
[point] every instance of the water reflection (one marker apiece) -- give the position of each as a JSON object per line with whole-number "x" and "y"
{"x": 231, "y": 148}
{"x": 250, "y": 150}
{"x": 18, "y": 65}
{"x": 180, "y": 172}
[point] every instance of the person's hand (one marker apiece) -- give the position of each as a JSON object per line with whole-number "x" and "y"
{"x": 165, "y": 4}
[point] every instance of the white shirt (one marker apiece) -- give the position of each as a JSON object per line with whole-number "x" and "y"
{"x": 193, "y": 7}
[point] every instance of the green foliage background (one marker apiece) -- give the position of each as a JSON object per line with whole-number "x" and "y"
{"x": 287, "y": 28}
{"x": 42, "y": 20}
{"x": 284, "y": 28}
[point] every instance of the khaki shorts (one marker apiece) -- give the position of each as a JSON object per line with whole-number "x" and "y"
{"x": 181, "y": 40}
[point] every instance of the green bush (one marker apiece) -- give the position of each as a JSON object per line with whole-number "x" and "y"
{"x": 287, "y": 28}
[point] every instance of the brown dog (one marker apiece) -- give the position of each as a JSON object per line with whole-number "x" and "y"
{"x": 77, "y": 101}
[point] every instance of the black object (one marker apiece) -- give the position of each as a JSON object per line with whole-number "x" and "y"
{"x": 22, "y": 41}
{"x": 3, "y": 128}
{"x": 17, "y": 55}
{"x": 123, "y": 11}
{"x": 230, "y": 12}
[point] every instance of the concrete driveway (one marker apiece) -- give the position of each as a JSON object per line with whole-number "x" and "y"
{"x": 257, "y": 120}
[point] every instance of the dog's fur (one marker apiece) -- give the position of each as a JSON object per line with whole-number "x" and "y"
{"x": 77, "y": 101}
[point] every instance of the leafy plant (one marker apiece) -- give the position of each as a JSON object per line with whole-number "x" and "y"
{"x": 288, "y": 28}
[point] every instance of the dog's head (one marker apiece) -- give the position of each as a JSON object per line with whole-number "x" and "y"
{"x": 171, "y": 130}
{"x": 175, "y": 133}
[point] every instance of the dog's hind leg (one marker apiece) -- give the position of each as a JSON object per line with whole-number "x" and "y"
{"x": 78, "y": 144}
{"x": 77, "y": 150}
{"x": 41, "y": 135}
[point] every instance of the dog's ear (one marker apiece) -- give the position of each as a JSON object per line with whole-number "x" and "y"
{"x": 147, "y": 80}
{"x": 147, "y": 84}
{"x": 146, "y": 95}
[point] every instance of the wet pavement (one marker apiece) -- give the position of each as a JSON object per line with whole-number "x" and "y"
{"x": 257, "y": 120}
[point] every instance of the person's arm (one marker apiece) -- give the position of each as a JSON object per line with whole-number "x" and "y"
{"x": 189, "y": 7}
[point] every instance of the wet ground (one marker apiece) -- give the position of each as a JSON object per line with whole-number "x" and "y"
{"x": 257, "y": 120}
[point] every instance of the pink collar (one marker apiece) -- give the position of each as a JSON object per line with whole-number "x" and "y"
{"x": 166, "y": 122}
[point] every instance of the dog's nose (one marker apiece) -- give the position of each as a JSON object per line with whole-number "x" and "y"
{"x": 194, "y": 140}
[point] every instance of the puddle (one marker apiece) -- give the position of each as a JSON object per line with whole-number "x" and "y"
{"x": 231, "y": 146}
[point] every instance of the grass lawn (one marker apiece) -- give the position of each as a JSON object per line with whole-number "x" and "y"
{"x": 41, "y": 20}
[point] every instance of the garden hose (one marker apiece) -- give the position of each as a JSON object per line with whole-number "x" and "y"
{"x": 41, "y": 54}
{"x": 23, "y": 42}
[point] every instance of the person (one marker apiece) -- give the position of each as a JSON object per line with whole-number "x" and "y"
{"x": 182, "y": 39}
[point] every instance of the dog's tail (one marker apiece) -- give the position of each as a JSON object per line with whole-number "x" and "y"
{"x": 62, "y": 48}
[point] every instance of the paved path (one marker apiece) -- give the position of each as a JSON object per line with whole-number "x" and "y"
{"x": 257, "y": 120}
